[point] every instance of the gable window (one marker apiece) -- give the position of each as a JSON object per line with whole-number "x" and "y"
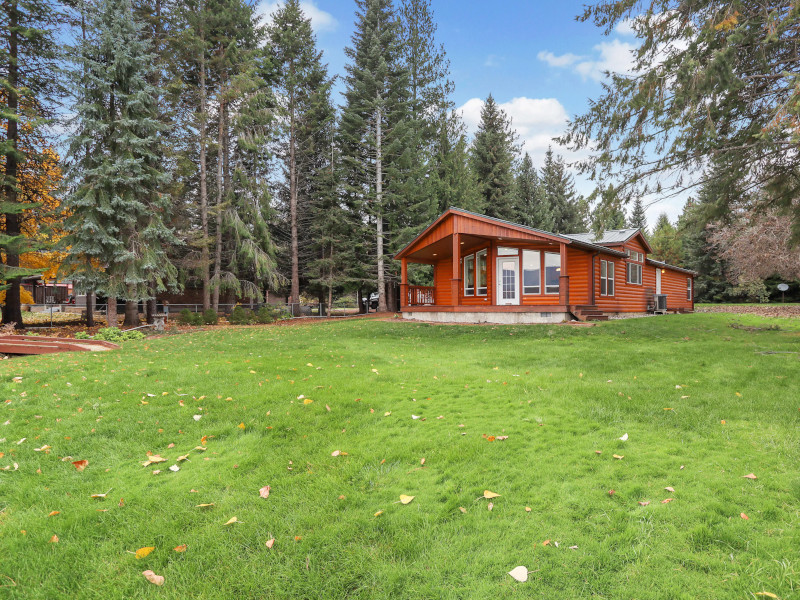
{"x": 531, "y": 272}
{"x": 689, "y": 288}
{"x": 481, "y": 272}
{"x": 469, "y": 275}
{"x": 606, "y": 278}
{"x": 552, "y": 272}
{"x": 634, "y": 255}
{"x": 635, "y": 273}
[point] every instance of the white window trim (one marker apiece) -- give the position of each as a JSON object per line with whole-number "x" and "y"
{"x": 485, "y": 288}
{"x": 538, "y": 287}
{"x": 629, "y": 271}
{"x": 544, "y": 273}
{"x": 689, "y": 289}
{"x": 467, "y": 259}
{"x": 608, "y": 279}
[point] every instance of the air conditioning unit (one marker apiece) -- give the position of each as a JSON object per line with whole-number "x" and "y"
{"x": 661, "y": 303}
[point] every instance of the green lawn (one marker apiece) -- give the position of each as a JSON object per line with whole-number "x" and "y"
{"x": 562, "y": 395}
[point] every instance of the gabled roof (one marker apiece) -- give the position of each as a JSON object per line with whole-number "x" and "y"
{"x": 661, "y": 264}
{"x": 522, "y": 228}
{"x": 611, "y": 237}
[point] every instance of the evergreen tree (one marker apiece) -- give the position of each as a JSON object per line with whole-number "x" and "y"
{"x": 638, "y": 218}
{"x": 531, "y": 208}
{"x": 608, "y": 213}
{"x": 452, "y": 178}
{"x": 28, "y": 78}
{"x": 374, "y": 131}
{"x": 117, "y": 223}
{"x": 666, "y": 242}
{"x": 493, "y": 153}
{"x": 558, "y": 194}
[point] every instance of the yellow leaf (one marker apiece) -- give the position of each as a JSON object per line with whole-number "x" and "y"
{"x": 405, "y": 499}
{"x": 241, "y": 425}
{"x": 462, "y": 509}
{"x": 618, "y": 457}
{"x": 54, "y": 539}
{"x": 270, "y": 542}
{"x": 181, "y": 548}
{"x": 54, "y": 513}
{"x": 378, "y": 514}
{"x": 142, "y": 552}
{"x": 232, "y": 520}
{"x": 151, "y": 460}
{"x": 527, "y": 509}
{"x": 766, "y": 594}
{"x": 204, "y": 505}
{"x": 489, "y": 495}
{"x": 307, "y": 401}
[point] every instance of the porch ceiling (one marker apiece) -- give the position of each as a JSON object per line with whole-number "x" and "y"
{"x": 444, "y": 248}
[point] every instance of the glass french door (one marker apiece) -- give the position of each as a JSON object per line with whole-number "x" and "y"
{"x": 507, "y": 280}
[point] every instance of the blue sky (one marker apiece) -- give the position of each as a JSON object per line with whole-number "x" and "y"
{"x": 538, "y": 62}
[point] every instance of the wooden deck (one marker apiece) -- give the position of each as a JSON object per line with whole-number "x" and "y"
{"x": 28, "y": 344}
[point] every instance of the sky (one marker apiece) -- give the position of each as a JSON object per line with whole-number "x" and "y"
{"x": 539, "y": 63}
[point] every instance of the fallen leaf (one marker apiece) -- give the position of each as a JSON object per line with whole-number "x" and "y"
{"x": 766, "y": 594}
{"x": 415, "y": 417}
{"x": 378, "y": 514}
{"x": 80, "y": 464}
{"x": 241, "y": 425}
{"x": 153, "y": 578}
{"x": 722, "y": 421}
{"x": 490, "y": 438}
{"x": 328, "y": 408}
{"x": 422, "y": 461}
{"x": 181, "y": 548}
{"x": 405, "y": 499}
{"x": 232, "y": 520}
{"x": 174, "y": 468}
{"x": 44, "y": 448}
{"x": 270, "y": 543}
{"x": 386, "y": 414}
{"x": 142, "y": 552}
{"x": 264, "y": 492}
{"x": 489, "y": 495}
{"x": 297, "y": 538}
{"x": 598, "y": 451}
{"x": 54, "y": 513}
{"x": 336, "y": 453}
{"x": 197, "y": 417}
{"x": 670, "y": 489}
{"x": 121, "y": 502}
{"x": 744, "y": 516}
{"x": 624, "y": 437}
{"x": 573, "y": 547}
{"x": 490, "y": 506}
{"x": 618, "y": 457}
{"x": 519, "y": 573}
{"x": 667, "y": 500}
{"x": 527, "y": 509}
{"x": 54, "y": 539}
{"x": 154, "y": 459}
{"x": 644, "y": 503}
{"x": 546, "y": 543}
{"x": 611, "y": 492}
{"x": 750, "y": 476}
{"x": 462, "y": 509}
{"x": 307, "y": 401}
{"x": 100, "y": 496}
{"x": 204, "y": 505}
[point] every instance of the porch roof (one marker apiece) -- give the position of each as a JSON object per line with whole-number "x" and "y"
{"x": 485, "y": 227}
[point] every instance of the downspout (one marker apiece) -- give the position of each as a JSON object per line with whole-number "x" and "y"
{"x": 591, "y": 277}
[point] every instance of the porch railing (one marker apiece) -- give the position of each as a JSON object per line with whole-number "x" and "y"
{"x": 420, "y": 294}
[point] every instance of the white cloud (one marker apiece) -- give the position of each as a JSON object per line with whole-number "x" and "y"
{"x": 320, "y": 20}
{"x": 625, "y": 27}
{"x": 565, "y": 60}
{"x": 493, "y": 60}
{"x": 614, "y": 56}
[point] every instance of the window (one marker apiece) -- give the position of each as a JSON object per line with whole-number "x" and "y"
{"x": 502, "y": 251}
{"x": 469, "y": 275}
{"x": 552, "y": 272}
{"x": 606, "y": 278}
{"x": 689, "y": 288}
{"x": 481, "y": 257}
{"x": 635, "y": 273}
{"x": 531, "y": 272}
{"x": 634, "y": 255}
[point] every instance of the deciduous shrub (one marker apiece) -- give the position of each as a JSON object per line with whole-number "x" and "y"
{"x": 113, "y": 334}
{"x": 210, "y": 317}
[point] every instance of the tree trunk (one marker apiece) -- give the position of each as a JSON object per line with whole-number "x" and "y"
{"x": 12, "y": 310}
{"x": 295, "y": 289}
{"x": 131, "y": 314}
{"x": 111, "y": 312}
{"x": 330, "y": 282}
{"x": 379, "y": 216}
{"x": 89, "y": 309}
{"x": 218, "y": 249}
{"x": 205, "y": 257}
{"x": 150, "y": 308}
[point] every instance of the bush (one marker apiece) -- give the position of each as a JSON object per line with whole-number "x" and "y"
{"x": 82, "y": 335}
{"x": 113, "y": 334}
{"x": 210, "y": 317}
{"x": 186, "y": 317}
{"x": 241, "y": 316}
{"x": 270, "y": 314}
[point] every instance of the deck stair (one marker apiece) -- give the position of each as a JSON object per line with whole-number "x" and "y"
{"x": 29, "y": 344}
{"x": 589, "y": 313}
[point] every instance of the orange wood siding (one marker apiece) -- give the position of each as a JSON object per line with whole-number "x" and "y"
{"x": 442, "y": 274}
{"x": 579, "y": 265}
{"x": 673, "y": 284}
{"x": 628, "y": 297}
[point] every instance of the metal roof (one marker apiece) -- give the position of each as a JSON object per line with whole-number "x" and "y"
{"x": 610, "y": 236}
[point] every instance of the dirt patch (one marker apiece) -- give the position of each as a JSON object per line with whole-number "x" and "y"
{"x": 789, "y": 311}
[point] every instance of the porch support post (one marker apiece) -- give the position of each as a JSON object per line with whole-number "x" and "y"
{"x": 563, "y": 280}
{"x": 403, "y": 283}
{"x": 455, "y": 282}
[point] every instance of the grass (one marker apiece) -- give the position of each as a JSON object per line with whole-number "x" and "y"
{"x": 560, "y": 394}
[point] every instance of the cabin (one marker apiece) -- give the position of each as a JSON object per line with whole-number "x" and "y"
{"x": 487, "y": 270}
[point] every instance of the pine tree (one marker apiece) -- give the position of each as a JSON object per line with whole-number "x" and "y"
{"x": 118, "y": 232}
{"x": 28, "y": 78}
{"x": 666, "y": 242}
{"x": 558, "y": 194}
{"x": 608, "y": 213}
{"x": 531, "y": 209}
{"x": 638, "y": 218}
{"x": 452, "y": 178}
{"x": 493, "y": 153}
{"x": 374, "y": 131}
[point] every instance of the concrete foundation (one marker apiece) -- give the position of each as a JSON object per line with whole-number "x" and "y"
{"x": 501, "y": 318}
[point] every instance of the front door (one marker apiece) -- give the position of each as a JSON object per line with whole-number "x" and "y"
{"x": 508, "y": 280}
{"x": 658, "y": 281}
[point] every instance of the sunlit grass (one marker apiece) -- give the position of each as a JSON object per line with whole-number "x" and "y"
{"x": 560, "y": 394}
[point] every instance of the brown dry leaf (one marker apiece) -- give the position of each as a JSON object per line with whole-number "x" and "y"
{"x": 328, "y": 408}
{"x": 264, "y": 492}
{"x": 405, "y": 499}
{"x": 490, "y": 506}
{"x": 142, "y": 552}
{"x": 744, "y": 516}
{"x": 670, "y": 489}
{"x": 527, "y": 509}
{"x": 54, "y": 513}
{"x": 99, "y": 496}
{"x": 232, "y": 520}
{"x": 546, "y": 543}
{"x": 644, "y": 503}
{"x": 181, "y": 548}
{"x": 618, "y": 457}
{"x": 80, "y": 464}
{"x": 154, "y": 459}
{"x": 422, "y": 461}
{"x": 270, "y": 543}
{"x": 336, "y": 453}
{"x": 54, "y": 539}
{"x": 598, "y": 451}
{"x": 489, "y": 495}
{"x": 491, "y": 438}
{"x": 121, "y": 502}
{"x": 667, "y": 500}
{"x": 182, "y": 458}
{"x": 462, "y": 509}
{"x": 750, "y": 476}
{"x": 153, "y": 578}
